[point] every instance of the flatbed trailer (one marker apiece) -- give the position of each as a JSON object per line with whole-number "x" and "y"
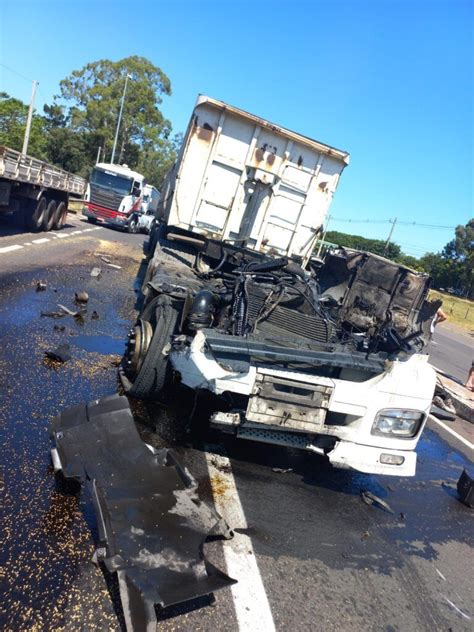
{"x": 36, "y": 192}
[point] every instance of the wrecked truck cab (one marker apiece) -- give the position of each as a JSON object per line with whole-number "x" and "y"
{"x": 328, "y": 361}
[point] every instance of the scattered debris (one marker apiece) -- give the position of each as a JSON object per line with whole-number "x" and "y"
{"x": 441, "y": 413}
{"x": 40, "y": 286}
{"x": 66, "y": 310}
{"x": 105, "y": 259}
{"x": 441, "y": 575}
{"x": 155, "y": 548}
{"x": 60, "y": 354}
{"x": 81, "y": 297}
{"x": 59, "y": 327}
{"x": 115, "y": 267}
{"x": 79, "y": 318}
{"x": 458, "y": 610}
{"x": 465, "y": 488}
{"x": 369, "y": 498}
{"x": 53, "y": 314}
{"x": 95, "y": 272}
{"x": 95, "y": 315}
{"x": 282, "y": 470}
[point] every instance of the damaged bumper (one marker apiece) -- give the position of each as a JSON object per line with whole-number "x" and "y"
{"x": 364, "y": 458}
{"x": 152, "y": 525}
{"x": 296, "y": 406}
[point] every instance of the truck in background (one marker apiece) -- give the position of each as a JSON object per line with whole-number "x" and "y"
{"x": 143, "y": 220}
{"x": 36, "y": 192}
{"x": 322, "y": 355}
{"x": 114, "y": 195}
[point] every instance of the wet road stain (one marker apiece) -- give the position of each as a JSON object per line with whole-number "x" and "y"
{"x": 47, "y": 578}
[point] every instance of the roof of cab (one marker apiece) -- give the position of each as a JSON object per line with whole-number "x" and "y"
{"x": 122, "y": 170}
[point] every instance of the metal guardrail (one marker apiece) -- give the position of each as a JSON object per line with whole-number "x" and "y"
{"x": 23, "y": 168}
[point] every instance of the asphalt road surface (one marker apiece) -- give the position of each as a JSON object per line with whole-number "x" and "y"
{"x": 308, "y": 554}
{"x": 452, "y": 351}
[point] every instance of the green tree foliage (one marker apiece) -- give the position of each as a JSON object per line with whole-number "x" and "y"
{"x": 377, "y": 246}
{"x": 453, "y": 267}
{"x": 92, "y": 101}
{"x": 13, "y": 115}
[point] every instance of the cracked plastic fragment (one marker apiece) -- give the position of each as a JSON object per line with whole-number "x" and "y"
{"x": 152, "y": 525}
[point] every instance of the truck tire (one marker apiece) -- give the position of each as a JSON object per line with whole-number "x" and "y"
{"x": 35, "y": 214}
{"x": 48, "y": 219}
{"x": 60, "y": 216}
{"x": 92, "y": 220}
{"x": 133, "y": 224}
{"x": 151, "y": 377}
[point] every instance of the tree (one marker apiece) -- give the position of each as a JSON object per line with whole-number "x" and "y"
{"x": 92, "y": 97}
{"x": 13, "y": 115}
{"x": 460, "y": 251}
{"x": 376, "y": 246}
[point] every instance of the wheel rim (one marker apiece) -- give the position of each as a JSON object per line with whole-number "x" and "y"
{"x": 138, "y": 343}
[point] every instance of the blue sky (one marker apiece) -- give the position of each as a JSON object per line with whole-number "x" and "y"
{"x": 389, "y": 81}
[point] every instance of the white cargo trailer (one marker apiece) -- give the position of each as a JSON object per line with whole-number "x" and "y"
{"x": 36, "y": 191}
{"x": 242, "y": 179}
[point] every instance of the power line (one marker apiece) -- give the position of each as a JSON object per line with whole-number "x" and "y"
{"x": 15, "y": 72}
{"x": 389, "y": 221}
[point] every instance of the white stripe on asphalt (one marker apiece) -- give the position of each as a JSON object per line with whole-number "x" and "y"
{"x": 453, "y": 432}
{"x": 250, "y": 599}
{"x": 45, "y": 239}
{"x": 10, "y": 248}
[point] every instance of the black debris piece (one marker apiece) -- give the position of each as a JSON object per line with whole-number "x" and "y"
{"x": 369, "y": 498}
{"x": 441, "y": 413}
{"x": 54, "y": 314}
{"x": 40, "y": 286}
{"x": 466, "y": 489}
{"x": 152, "y": 525}
{"x": 59, "y": 327}
{"x": 60, "y": 354}
{"x": 95, "y": 315}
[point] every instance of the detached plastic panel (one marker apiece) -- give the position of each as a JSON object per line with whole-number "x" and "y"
{"x": 151, "y": 523}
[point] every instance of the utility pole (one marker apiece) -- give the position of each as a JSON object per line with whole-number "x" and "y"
{"x": 324, "y": 237}
{"x": 98, "y": 155}
{"x": 389, "y": 236}
{"x": 26, "y": 138}
{"x": 127, "y": 77}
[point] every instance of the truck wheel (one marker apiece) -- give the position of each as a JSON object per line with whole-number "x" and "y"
{"x": 35, "y": 215}
{"x": 133, "y": 225}
{"x": 152, "y": 372}
{"x": 92, "y": 220}
{"x": 60, "y": 216}
{"x": 48, "y": 219}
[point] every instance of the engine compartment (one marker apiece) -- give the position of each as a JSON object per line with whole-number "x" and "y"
{"x": 356, "y": 299}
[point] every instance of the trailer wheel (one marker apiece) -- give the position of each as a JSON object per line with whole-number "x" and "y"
{"x": 48, "y": 219}
{"x": 153, "y": 368}
{"x": 60, "y": 216}
{"x": 35, "y": 214}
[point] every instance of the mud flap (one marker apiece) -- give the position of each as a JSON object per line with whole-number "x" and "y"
{"x": 152, "y": 525}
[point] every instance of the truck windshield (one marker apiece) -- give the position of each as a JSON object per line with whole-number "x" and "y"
{"x": 117, "y": 183}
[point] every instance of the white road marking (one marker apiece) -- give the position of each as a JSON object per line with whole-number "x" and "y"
{"x": 453, "y": 432}
{"x": 250, "y": 599}
{"x": 10, "y": 248}
{"x": 44, "y": 240}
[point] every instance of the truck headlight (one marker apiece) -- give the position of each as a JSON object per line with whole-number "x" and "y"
{"x": 397, "y": 423}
